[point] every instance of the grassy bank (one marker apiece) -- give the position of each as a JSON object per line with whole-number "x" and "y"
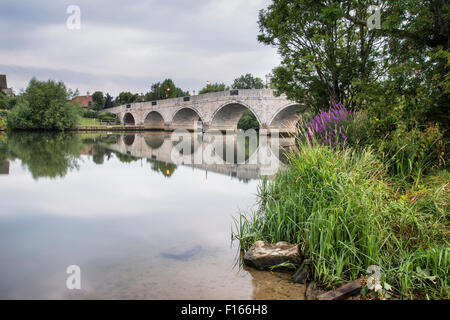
{"x": 89, "y": 122}
{"x": 346, "y": 213}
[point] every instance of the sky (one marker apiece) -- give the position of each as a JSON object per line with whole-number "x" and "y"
{"x": 128, "y": 45}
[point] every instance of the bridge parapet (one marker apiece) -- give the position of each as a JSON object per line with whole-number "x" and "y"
{"x": 217, "y": 110}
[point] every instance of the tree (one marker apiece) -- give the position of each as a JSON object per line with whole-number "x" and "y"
{"x": 398, "y": 72}
{"x": 108, "y": 101}
{"x": 99, "y": 100}
{"x": 45, "y": 105}
{"x": 248, "y": 121}
{"x": 7, "y": 101}
{"x": 159, "y": 91}
{"x": 126, "y": 97}
{"x": 4, "y": 101}
{"x": 325, "y": 58}
{"x": 214, "y": 87}
{"x": 247, "y": 81}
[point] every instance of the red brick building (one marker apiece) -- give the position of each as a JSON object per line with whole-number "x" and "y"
{"x": 84, "y": 101}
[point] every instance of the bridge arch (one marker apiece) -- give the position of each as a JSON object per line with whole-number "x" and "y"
{"x": 185, "y": 118}
{"x": 128, "y": 119}
{"x": 154, "y": 120}
{"x": 286, "y": 117}
{"x": 227, "y": 116}
{"x": 128, "y": 139}
{"x": 155, "y": 140}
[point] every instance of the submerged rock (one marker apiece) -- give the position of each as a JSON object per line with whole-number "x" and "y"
{"x": 182, "y": 253}
{"x": 302, "y": 273}
{"x": 262, "y": 255}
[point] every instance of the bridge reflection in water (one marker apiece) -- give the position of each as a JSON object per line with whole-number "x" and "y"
{"x": 232, "y": 155}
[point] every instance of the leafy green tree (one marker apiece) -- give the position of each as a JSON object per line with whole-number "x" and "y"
{"x": 248, "y": 121}
{"x": 398, "y": 72}
{"x": 7, "y": 101}
{"x": 214, "y": 87}
{"x": 325, "y": 58}
{"x": 45, "y": 105}
{"x": 4, "y": 101}
{"x": 108, "y": 101}
{"x": 247, "y": 81}
{"x": 416, "y": 89}
{"x": 126, "y": 97}
{"x": 160, "y": 91}
{"x": 99, "y": 100}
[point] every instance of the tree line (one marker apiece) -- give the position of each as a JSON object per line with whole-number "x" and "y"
{"x": 48, "y": 105}
{"x": 167, "y": 89}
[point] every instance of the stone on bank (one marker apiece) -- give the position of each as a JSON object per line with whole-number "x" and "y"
{"x": 263, "y": 256}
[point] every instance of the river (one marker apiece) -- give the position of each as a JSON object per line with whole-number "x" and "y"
{"x": 137, "y": 223}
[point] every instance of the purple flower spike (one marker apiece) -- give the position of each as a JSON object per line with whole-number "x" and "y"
{"x": 329, "y": 127}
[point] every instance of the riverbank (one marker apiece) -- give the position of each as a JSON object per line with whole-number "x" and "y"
{"x": 108, "y": 128}
{"x": 346, "y": 213}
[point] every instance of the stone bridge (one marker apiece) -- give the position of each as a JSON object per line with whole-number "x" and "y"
{"x": 217, "y": 110}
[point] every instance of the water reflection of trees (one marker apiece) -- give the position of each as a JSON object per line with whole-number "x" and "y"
{"x": 45, "y": 154}
{"x": 166, "y": 169}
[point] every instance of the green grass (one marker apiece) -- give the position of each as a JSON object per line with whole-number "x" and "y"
{"x": 89, "y": 122}
{"x": 346, "y": 214}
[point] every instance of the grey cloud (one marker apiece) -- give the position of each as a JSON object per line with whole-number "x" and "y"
{"x": 127, "y": 45}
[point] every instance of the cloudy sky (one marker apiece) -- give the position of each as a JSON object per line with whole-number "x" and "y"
{"x": 128, "y": 45}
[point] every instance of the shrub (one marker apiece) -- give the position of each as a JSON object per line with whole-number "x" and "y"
{"x": 107, "y": 116}
{"x": 408, "y": 151}
{"x": 44, "y": 105}
{"x": 2, "y": 124}
{"x": 89, "y": 114}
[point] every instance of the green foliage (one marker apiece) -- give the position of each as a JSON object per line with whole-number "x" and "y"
{"x": 248, "y": 121}
{"x": 247, "y": 81}
{"x": 89, "y": 114}
{"x": 214, "y": 87}
{"x": 2, "y": 124}
{"x": 44, "y": 105}
{"x": 3, "y": 101}
{"x": 108, "y": 101}
{"x": 397, "y": 73}
{"x": 99, "y": 100}
{"x": 107, "y": 116}
{"x": 7, "y": 101}
{"x": 159, "y": 91}
{"x": 126, "y": 97}
{"x": 324, "y": 57}
{"x": 339, "y": 208}
{"x": 410, "y": 153}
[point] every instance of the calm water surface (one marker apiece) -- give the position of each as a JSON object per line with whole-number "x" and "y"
{"x": 139, "y": 226}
